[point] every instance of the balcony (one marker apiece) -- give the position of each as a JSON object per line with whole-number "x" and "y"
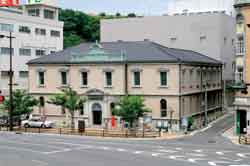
{"x": 240, "y": 48}
{"x": 237, "y": 85}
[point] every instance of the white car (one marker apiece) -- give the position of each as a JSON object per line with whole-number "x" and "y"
{"x": 37, "y": 122}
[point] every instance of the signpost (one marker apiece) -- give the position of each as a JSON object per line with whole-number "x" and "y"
{"x": 6, "y": 3}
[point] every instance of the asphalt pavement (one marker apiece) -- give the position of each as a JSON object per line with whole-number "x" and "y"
{"x": 207, "y": 148}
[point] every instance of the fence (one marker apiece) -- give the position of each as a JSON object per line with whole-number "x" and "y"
{"x": 244, "y": 139}
{"x": 91, "y": 132}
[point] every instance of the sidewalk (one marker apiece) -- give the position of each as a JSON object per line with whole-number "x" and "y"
{"x": 231, "y": 135}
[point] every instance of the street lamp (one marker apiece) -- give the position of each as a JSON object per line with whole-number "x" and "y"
{"x": 10, "y": 37}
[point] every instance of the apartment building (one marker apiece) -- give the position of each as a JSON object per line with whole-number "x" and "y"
{"x": 176, "y": 84}
{"x": 195, "y": 6}
{"x": 242, "y": 97}
{"x": 211, "y": 34}
{"x": 37, "y": 32}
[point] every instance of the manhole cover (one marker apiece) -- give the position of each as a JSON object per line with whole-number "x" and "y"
{"x": 211, "y": 141}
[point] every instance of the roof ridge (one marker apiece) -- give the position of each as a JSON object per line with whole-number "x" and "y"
{"x": 165, "y": 51}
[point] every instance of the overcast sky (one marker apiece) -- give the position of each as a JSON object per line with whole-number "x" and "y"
{"x": 143, "y": 7}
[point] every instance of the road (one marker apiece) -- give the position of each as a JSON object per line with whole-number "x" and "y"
{"x": 208, "y": 148}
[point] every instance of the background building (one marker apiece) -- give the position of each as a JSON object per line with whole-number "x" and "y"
{"x": 242, "y": 98}
{"x": 37, "y": 32}
{"x": 194, "y": 6}
{"x": 209, "y": 34}
{"x": 176, "y": 84}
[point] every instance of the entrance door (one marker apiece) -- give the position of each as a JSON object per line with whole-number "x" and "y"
{"x": 97, "y": 114}
{"x": 241, "y": 121}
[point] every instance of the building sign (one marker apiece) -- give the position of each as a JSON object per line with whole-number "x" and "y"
{"x": 6, "y": 3}
{"x": 34, "y": 1}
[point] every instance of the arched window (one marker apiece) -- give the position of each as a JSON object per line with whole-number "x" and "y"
{"x": 112, "y": 107}
{"x": 41, "y": 101}
{"x": 163, "y": 103}
{"x": 81, "y": 109}
{"x": 239, "y": 19}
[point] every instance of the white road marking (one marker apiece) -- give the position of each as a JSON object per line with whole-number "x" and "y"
{"x": 57, "y": 151}
{"x": 156, "y": 154}
{"x": 33, "y": 144}
{"x": 121, "y": 150}
{"x": 20, "y": 149}
{"x": 243, "y": 155}
{"x": 198, "y": 150}
{"x": 105, "y": 148}
{"x": 167, "y": 151}
{"x": 175, "y": 157}
{"x": 219, "y": 153}
{"x": 178, "y": 148}
{"x": 193, "y": 160}
{"x": 214, "y": 163}
{"x": 138, "y": 152}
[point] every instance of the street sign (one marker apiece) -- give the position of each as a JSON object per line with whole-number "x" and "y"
{"x": 6, "y": 3}
{"x": 34, "y": 1}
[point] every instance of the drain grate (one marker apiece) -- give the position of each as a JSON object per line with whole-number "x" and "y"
{"x": 212, "y": 141}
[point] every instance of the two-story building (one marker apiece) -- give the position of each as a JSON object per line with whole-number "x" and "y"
{"x": 175, "y": 83}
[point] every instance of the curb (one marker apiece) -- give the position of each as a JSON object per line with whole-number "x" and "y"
{"x": 211, "y": 124}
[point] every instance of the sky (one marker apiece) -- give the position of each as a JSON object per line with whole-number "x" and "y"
{"x": 141, "y": 7}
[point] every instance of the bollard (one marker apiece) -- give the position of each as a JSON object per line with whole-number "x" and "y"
{"x": 60, "y": 131}
{"x": 103, "y": 134}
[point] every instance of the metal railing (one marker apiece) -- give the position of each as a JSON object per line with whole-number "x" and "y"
{"x": 125, "y": 133}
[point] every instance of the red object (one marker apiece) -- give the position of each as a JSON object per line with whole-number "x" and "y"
{"x": 1, "y": 99}
{"x": 113, "y": 121}
{"x": 6, "y": 3}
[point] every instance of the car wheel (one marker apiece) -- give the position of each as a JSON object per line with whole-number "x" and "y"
{"x": 26, "y": 125}
{"x": 43, "y": 126}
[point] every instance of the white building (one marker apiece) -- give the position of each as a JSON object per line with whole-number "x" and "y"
{"x": 190, "y": 6}
{"x": 206, "y": 33}
{"x": 37, "y": 32}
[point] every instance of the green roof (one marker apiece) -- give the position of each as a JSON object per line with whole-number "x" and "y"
{"x": 239, "y": 3}
{"x": 96, "y": 54}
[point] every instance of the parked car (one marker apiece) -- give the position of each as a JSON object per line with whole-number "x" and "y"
{"x": 37, "y": 122}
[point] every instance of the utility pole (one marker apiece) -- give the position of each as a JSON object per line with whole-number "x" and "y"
{"x": 10, "y": 37}
{"x": 11, "y": 85}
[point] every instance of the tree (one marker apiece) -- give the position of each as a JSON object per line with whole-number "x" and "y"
{"x": 118, "y": 14}
{"x": 130, "y": 108}
{"x": 102, "y": 14}
{"x": 23, "y": 103}
{"x": 131, "y": 15}
{"x": 79, "y": 27}
{"x": 68, "y": 99}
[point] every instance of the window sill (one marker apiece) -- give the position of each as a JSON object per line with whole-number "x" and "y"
{"x": 136, "y": 86}
{"x": 41, "y": 86}
{"x": 110, "y": 87}
{"x": 163, "y": 87}
{"x": 84, "y": 86}
{"x": 64, "y": 86}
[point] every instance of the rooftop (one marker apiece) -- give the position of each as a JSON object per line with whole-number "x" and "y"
{"x": 121, "y": 51}
{"x": 240, "y": 3}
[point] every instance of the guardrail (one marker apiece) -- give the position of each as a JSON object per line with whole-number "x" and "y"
{"x": 126, "y": 133}
{"x": 244, "y": 139}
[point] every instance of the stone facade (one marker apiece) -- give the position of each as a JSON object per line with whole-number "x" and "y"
{"x": 184, "y": 91}
{"x": 242, "y": 98}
